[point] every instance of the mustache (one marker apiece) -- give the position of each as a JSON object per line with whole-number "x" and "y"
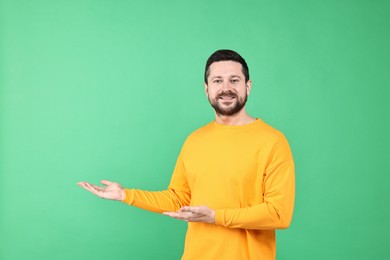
{"x": 227, "y": 93}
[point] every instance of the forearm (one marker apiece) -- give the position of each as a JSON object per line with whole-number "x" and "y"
{"x": 276, "y": 210}
{"x": 157, "y": 201}
{"x": 262, "y": 217}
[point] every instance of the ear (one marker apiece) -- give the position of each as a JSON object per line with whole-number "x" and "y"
{"x": 206, "y": 87}
{"x": 248, "y": 87}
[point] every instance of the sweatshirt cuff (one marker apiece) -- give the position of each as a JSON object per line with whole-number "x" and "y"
{"x": 129, "y": 196}
{"x": 220, "y": 217}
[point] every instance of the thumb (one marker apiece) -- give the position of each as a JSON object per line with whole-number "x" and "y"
{"x": 105, "y": 182}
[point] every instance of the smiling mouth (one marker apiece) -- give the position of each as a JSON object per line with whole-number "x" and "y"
{"x": 227, "y": 98}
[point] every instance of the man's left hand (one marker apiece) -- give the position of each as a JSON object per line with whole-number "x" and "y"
{"x": 194, "y": 214}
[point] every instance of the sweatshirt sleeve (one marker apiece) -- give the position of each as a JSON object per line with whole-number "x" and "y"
{"x": 177, "y": 195}
{"x": 276, "y": 209}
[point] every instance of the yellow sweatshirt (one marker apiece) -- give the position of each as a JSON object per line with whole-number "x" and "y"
{"x": 246, "y": 174}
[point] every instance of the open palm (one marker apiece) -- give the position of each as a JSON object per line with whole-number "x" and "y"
{"x": 111, "y": 190}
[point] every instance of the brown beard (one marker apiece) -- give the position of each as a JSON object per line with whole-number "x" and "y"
{"x": 238, "y": 106}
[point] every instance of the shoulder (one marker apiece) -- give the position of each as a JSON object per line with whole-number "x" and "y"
{"x": 269, "y": 132}
{"x": 276, "y": 141}
{"x": 200, "y": 133}
{"x": 198, "y": 137}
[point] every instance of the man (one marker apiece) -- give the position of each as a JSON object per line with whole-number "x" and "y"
{"x": 234, "y": 178}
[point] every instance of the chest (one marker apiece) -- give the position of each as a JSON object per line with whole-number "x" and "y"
{"x": 238, "y": 161}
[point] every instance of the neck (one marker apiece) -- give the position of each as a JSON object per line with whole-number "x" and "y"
{"x": 241, "y": 118}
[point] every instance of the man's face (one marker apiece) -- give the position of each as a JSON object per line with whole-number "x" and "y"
{"x": 226, "y": 89}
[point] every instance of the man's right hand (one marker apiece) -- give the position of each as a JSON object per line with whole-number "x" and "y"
{"x": 112, "y": 190}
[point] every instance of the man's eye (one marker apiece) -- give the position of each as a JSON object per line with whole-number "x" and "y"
{"x": 217, "y": 81}
{"x": 234, "y": 80}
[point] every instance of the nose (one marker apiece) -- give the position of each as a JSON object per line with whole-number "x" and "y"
{"x": 226, "y": 85}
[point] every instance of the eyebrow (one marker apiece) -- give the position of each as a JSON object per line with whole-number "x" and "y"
{"x": 232, "y": 76}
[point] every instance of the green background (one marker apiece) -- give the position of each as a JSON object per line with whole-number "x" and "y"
{"x": 93, "y": 90}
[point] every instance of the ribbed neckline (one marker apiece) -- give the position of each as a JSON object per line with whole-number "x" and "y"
{"x": 255, "y": 123}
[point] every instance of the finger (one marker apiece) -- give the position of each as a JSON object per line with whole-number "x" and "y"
{"x": 171, "y": 214}
{"x": 192, "y": 209}
{"x": 93, "y": 189}
{"x": 105, "y": 182}
{"x": 185, "y": 209}
{"x": 82, "y": 184}
{"x": 87, "y": 185}
{"x": 97, "y": 188}
{"x": 177, "y": 215}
